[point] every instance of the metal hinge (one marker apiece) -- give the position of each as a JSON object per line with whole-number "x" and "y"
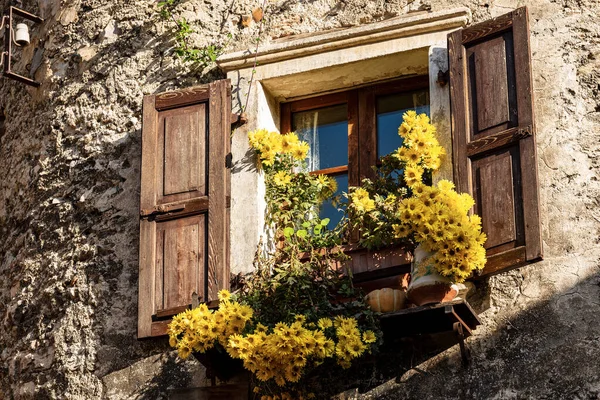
{"x": 522, "y": 133}
{"x": 443, "y": 77}
{"x": 162, "y": 209}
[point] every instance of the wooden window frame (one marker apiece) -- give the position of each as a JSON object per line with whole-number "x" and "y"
{"x": 362, "y": 125}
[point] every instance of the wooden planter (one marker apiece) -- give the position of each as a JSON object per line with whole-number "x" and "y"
{"x": 376, "y": 269}
{"x": 219, "y": 364}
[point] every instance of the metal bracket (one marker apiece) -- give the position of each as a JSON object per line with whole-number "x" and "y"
{"x": 464, "y": 350}
{"x": 8, "y": 43}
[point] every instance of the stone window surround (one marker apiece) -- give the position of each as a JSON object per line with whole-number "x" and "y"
{"x": 302, "y": 66}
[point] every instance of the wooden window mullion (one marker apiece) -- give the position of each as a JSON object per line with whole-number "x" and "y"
{"x": 367, "y": 120}
{"x": 353, "y": 140}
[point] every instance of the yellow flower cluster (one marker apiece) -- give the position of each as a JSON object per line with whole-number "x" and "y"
{"x": 270, "y": 144}
{"x": 351, "y": 343}
{"x": 360, "y": 201}
{"x": 420, "y": 149}
{"x": 439, "y": 218}
{"x": 198, "y": 329}
{"x": 282, "y": 354}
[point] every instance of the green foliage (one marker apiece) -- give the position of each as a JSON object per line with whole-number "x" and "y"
{"x": 386, "y": 189}
{"x": 202, "y": 57}
{"x": 303, "y": 274}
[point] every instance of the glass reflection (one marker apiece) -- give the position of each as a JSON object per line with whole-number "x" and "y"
{"x": 389, "y": 117}
{"x": 326, "y": 131}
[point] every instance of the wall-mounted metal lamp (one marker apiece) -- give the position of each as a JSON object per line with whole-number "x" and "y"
{"x": 19, "y": 37}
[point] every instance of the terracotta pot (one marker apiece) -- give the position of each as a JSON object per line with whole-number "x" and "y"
{"x": 427, "y": 286}
{"x": 386, "y": 300}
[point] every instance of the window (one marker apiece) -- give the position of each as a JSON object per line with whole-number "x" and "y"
{"x": 489, "y": 84}
{"x": 349, "y": 131}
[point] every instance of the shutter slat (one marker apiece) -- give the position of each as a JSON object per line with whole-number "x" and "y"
{"x": 146, "y": 294}
{"x": 181, "y": 98}
{"x": 493, "y": 135}
{"x": 220, "y": 125}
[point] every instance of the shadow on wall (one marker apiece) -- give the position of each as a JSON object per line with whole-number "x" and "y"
{"x": 154, "y": 377}
{"x": 549, "y": 351}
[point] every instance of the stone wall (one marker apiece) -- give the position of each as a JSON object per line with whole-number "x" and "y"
{"x": 69, "y": 193}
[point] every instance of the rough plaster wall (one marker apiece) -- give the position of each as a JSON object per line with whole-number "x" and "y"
{"x": 69, "y": 195}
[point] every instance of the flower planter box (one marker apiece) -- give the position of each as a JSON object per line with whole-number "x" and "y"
{"x": 375, "y": 269}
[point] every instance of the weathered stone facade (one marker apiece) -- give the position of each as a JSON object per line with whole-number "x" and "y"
{"x": 69, "y": 194}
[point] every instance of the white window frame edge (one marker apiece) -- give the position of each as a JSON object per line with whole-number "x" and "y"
{"x": 299, "y": 66}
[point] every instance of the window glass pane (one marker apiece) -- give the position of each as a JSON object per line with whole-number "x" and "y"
{"x": 326, "y": 130}
{"x": 389, "y": 117}
{"x": 328, "y": 210}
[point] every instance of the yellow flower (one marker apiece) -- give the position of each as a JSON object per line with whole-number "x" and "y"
{"x": 400, "y": 230}
{"x": 224, "y": 295}
{"x": 413, "y": 156}
{"x": 325, "y": 323}
{"x": 413, "y": 175}
{"x": 288, "y": 142}
{"x": 361, "y": 200}
{"x": 445, "y": 185}
{"x": 245, "y": 312}
{"x": 281, "y": 178}
{"x": 300, "y": 318}
{"x": 369, "y": 337}
{"x": 300, "y": 150}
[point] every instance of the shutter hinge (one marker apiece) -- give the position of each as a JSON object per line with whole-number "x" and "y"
{"x": 443, "y": 77}
{"x": 522, "y": 133}
{"x": 162, "y": 209}
{"x": 229, "y": 160}
{"x": 239, "y": 119}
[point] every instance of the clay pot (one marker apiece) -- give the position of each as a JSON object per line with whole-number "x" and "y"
{"x": 427, "y": 286}
{"x": 386, "y": 300}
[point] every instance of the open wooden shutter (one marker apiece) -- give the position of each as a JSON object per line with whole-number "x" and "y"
{"x": 184, "y": 227}
{"x": 493, "y": 135}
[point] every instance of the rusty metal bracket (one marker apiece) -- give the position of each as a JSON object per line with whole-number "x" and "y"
{"x": 464, "y": 350}
{"x": 8, "y": 43}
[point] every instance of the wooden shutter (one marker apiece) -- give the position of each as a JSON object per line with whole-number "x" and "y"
{"x": 493, "y": 135}
{"x": 184, "y": 227}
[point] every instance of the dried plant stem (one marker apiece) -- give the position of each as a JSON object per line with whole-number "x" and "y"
{"x": 260, "y": 27}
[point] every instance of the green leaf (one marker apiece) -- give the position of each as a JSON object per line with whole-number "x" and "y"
{"x": 306, "y": 224}
{"x": 301, "y": 233}
{"x": 325, "y": 221}
{"x": 287, "y": 232}
{"x": 317, "y": 230}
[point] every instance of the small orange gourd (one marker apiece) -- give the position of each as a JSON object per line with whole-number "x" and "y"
{"x": 386, "y": 300}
